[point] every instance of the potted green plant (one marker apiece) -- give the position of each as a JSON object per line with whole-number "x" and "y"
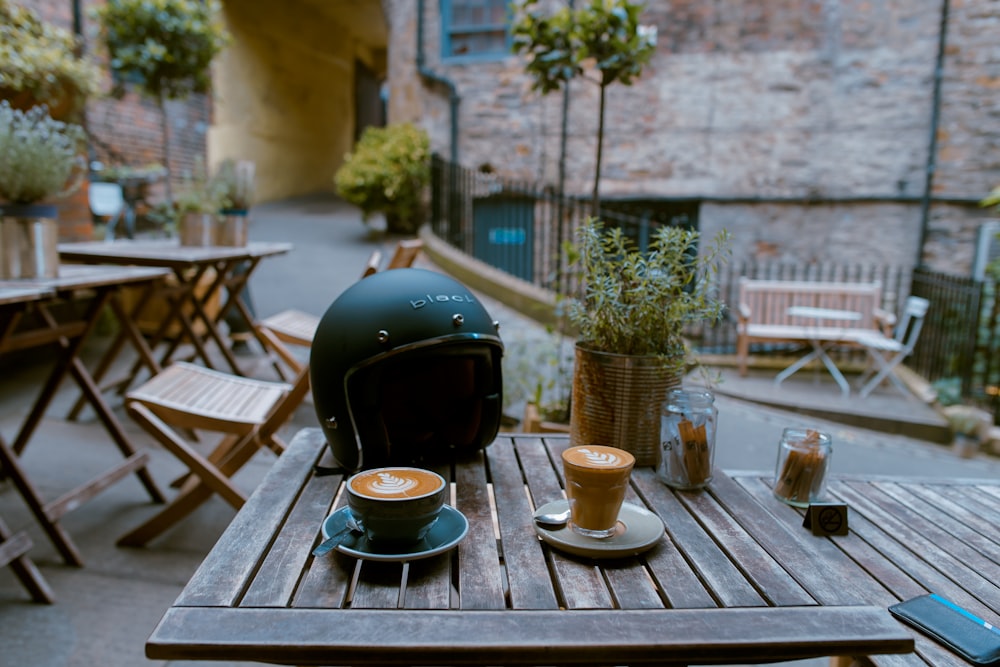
{"x": 388, "y": 172}
{"x": 630, "y": 320}
{"x": 234, "y": 181}
{"x": 196, "y": 210}
{"x": 166, "y": 47}
{"x": 40, "y": 63}
{"x": 40, "y": 160}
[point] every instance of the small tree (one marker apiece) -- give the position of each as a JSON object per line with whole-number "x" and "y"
{"x": 165, "y": 46}
{"x": 602, "y": 42}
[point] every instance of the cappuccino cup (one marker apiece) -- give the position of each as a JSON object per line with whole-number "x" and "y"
{"x": 596, "y": 480}
{"x": 396, "y": 504}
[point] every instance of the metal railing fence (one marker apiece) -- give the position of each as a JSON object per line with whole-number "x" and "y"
{"x": 521, "y": 227}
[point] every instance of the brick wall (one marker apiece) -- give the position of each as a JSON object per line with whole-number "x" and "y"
{"x": 802, "y": 125}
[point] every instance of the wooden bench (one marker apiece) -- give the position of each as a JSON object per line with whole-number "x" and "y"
{"x": 763, "y": 312}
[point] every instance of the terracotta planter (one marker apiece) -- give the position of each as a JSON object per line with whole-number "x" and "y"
{"x": 29, "y": 236}
{"x": 197, "y": 229}
{"x": 617, "y": 401}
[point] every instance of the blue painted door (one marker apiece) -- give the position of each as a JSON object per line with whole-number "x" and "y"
{"x": 504, "y": 233}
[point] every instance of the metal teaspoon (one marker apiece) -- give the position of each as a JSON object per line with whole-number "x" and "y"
{"x": 553, "y": 520}
{"x": 331, "y": 542}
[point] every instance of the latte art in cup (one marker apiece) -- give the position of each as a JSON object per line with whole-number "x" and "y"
{"x": 396, "y": 483}
{"x": 591, "y": 457}
{"x": 396, "y": 504}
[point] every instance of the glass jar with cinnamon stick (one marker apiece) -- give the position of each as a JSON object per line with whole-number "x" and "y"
{"x": 803, "y": 459}
{"x": 687, "y": 439}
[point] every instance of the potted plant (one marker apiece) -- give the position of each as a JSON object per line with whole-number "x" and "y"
{"x": 388, "y": 172}
{"x": 196, "y": 210}
{"x": 234, "y": 182}
{"x": 166, "y": 47}
{"x": 40, "y": 160}
{"x": 40, "y": 64}
{"x": 630, "y": 321}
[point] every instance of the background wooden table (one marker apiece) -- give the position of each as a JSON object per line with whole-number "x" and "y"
{"x": 84, "y": 291}
{"x": 735, "y": 579}
{"x": 227, "y": 268}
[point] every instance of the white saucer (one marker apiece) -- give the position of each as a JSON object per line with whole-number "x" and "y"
{"x": 445, "y": 534}
{"x": 638, "y": 530}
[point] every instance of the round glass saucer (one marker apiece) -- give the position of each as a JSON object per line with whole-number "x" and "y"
{"x": 638, "y": 530}
{"x": 449, "y": 529}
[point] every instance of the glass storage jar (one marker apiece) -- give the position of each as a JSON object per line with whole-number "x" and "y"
{"x": 687, "y": 439}
{"x": 803, "y": 459}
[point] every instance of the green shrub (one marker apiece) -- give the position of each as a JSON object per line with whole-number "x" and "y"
{"x": 387, "y": 172}
{"x": 39, "y": 60}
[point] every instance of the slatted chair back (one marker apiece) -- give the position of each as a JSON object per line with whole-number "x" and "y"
{"x": 405, "y": 254}
{"x": 297, "y": 328}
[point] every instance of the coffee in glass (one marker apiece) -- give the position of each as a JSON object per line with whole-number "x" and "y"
{"x": 596, "y": 480}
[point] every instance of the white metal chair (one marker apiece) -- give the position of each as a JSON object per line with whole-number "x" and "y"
{"x": 107, "y": 201}
{"x": 886, "y": 353}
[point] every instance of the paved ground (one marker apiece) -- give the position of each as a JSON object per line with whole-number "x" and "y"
{"x": 106, "y": 609}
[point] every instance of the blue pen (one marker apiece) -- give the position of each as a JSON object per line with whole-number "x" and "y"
{"x": 966, "y": 613}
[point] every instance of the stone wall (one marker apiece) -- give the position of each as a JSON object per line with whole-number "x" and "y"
{"x": 803, "y": 125}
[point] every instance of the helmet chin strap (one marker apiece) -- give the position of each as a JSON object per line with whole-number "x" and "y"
{"x": 324, "y": 471}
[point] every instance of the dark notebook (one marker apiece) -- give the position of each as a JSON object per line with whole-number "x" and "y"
{"x": 962, "y": 631}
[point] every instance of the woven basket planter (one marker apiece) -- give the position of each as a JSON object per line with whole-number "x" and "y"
{"x": 617, "y": 401}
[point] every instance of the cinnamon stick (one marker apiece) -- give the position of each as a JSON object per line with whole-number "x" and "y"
{"x": 697, "y": 461}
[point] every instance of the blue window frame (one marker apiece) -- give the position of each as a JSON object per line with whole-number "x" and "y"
{"x": 475, "y": 29}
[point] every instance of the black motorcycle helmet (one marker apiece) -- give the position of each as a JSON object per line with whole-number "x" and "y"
{"x": 405, "y": 368}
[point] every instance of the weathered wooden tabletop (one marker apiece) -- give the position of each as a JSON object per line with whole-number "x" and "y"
{"x": 164, "y": 252}
{"x": 736, "y": 578}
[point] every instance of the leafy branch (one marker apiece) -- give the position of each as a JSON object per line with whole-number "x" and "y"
{"x": 602, "y": 42}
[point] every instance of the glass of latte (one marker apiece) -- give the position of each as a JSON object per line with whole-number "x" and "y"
{"x": 596, "y": 480}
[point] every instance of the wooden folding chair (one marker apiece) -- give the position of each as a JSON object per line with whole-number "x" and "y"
{"x": 187, "y": 397}
{"x": 405, "y": 254}
{"x": 297, "y": 328}
{"x": 533, "y": 422}
{"x": 13, "y": 551}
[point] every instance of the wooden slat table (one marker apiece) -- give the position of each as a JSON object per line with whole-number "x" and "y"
{"x": 232, "y": 266}
{"x": 735, "y": 579}
{"x": 32, "y": 323}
